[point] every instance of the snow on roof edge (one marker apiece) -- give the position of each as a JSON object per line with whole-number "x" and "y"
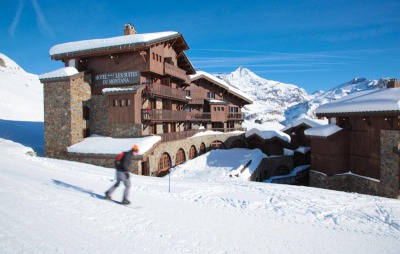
{"x": 59, "y": 73}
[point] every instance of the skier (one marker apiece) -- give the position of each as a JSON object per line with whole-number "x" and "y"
{"x": 123, "y": 175}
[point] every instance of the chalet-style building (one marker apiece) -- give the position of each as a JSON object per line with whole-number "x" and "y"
{"x": 133, "y": 86}
{"x": 214, "y": 103}
{"x": 358, "y": 150}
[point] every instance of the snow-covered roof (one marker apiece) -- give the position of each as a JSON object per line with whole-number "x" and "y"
{"x": 78, "y": 46}
{"x": 96, "y": 144}
{"x": 216, "y": 101}
{"x": 221, "y": 83}
{"x": 323, "y": 131}
{"x": 121, "y": 89}
{"x": 377, "y": 100}
{"x": 305, "y": 121}
{"x": 60, "y": 73}
{"x": 268, "y": 134}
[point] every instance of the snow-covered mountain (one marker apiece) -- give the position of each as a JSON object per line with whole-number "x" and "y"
{"x": 355, "y": 85}
{"x": 21, "y": 105}
{"x": 279, "y": 102}
{"x": 19, "y": 90}
{"x": 271, "y": 98}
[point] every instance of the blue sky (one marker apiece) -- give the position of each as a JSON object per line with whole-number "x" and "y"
{"x": 312, "y": 44}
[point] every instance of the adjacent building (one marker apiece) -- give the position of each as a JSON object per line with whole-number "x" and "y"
{"x": 358, "y": 150}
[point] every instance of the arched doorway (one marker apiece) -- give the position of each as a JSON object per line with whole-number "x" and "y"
{"x": 164, "y": 164}
{"x": 203, "y": 149}
{"x": 180, "y": 157}
{"x": 192, "y": 152}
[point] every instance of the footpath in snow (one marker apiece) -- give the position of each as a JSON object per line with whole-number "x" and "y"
{"x": 53, "y": 206}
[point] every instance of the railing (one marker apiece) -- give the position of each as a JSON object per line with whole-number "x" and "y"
{"x": 177, "y": 72}
{"x": 164, "y": 91}
{"x": 196, "y": 100}
{"x": 201, "y": 116}
{"x": 228, "y": 129}
{"x": 235, "y": 116}
{"x": 165, "y": 115}
{"x": 165, "y": 137}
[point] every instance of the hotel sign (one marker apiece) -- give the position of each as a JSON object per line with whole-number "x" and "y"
{"x": 117, "y": 78}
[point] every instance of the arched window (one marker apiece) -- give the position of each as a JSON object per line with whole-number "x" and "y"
{"x": 192, "y": 152}
{"x": 164, "y": 164}
{"x": 180, "y": 157}
{"x": 203, "y": 149}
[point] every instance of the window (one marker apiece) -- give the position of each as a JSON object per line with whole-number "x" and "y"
{"x": 187, "y": 92}
{"x": 234, "y": 109}
{"x": 115, "y": 103}
{"x": 154, "y": 56}
{"x": 128, "y": 103}
{"x": 211, "y": 95}
{"x": 86, "y": 113}
{"x": 122, "y": 102}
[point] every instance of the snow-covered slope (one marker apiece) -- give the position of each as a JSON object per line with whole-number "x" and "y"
{"x": 21, "y": 105}
{"x": 319, "y": 98}
{"x": 271, "y": 98}
{"x": 279, "y": 102}
{"x": 50, "y": 206}
{"x": 21, "y": 93}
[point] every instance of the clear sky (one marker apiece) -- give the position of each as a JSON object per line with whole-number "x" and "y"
{"x": 312, "y": 44}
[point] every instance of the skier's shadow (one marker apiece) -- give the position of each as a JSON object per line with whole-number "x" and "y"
{"x": 76, "y": 188}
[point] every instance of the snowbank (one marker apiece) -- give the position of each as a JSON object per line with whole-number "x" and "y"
{"x": 97, "y": 144}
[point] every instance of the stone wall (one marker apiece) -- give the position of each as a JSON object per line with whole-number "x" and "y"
{"x": 386, "y": 186}
{"x": 80, "y": 93}
{"x": 57, "y": 118}
{"x": 172, "y": 147}
{"x": 269, "y": 165}
{"x": 99, "y": 115}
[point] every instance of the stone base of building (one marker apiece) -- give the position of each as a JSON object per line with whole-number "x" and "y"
{"x": 352, "y": 183}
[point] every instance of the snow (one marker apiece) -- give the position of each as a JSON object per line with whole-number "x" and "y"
{"x": 294, "y": 172}
{"x": 96, "y": 144}
{"x": 59, "y": 73}
{"x": 305, "y": 120}
{"x": 303, "y": 149}
{"x": 323, "y": 131}
{"x": 53, "y": 206}
{"x": 19, "y": 89}
{"x": 221, "y": 83}
{"x": 76, "y": 46}
{"x": 121, "y": 89}
{"x": 366, "y": 101}
{"x": 268, "y": 134}
{"x": 50, "y": 205}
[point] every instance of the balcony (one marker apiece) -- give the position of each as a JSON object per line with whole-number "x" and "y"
{"x": 162, "y": 91}
{"x": 201, "y": 116}
{"x": 236, "y": 116}
{"x": 165, "y": 137}
{"x": 176, "y": 72}
{"x": 162, "y": 115}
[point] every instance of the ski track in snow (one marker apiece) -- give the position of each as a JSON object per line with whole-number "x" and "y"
{"x": 52, "y": 206}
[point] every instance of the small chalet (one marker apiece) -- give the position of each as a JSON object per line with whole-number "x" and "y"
{"x": 357, "y": 150}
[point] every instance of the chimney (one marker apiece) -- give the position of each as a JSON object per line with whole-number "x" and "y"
{"x": 129, "y": 29}
{"x": 392, "y": 83}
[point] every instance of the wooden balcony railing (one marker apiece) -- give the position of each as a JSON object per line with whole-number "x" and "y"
{"x": 196, "y": 100}
{"x": 165, "y": 137}
{"x": 164, "y": 91}
{"x": 162, "y": 115}
{"x": 235, "y": 116}
{"x": 177, "y": 72}
{"x": 201, "y": 116}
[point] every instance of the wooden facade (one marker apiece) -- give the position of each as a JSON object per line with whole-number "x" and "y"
{"x": 356, "y": 148}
